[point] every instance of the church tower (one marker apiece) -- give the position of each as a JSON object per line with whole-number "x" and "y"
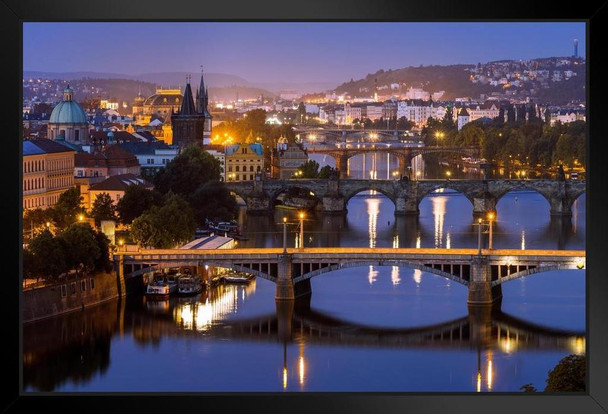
{"x": 188, "y": 124}
{"x": 202, "y": 107}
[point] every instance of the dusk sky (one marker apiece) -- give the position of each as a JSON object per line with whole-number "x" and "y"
{"x": 306, "y": 52}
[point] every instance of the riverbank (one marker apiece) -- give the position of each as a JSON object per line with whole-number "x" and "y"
{"x": 74, "y": 293}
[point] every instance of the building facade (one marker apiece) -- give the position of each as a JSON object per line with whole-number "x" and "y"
{"x": 48, "y": 171}
{"x": 115, "y": 186}
{"x": 286, "y": 159}
{"x": 244, "y": 162}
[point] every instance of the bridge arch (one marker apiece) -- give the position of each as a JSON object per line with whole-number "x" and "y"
{"x": 447, "y": 185}
{"x": 410, "y": 265}
{"x": 357, "y": 190}
{"x": 284, "y": 189}
{"x": 538, "y": 269}
{"x": 236, "y": 267}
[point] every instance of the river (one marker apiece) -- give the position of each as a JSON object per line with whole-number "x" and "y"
{"x": 368, "y": 329}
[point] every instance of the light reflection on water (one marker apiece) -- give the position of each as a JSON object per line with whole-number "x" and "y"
{"x": 397, "y": 323}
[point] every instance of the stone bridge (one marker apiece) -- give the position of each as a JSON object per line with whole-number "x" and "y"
{"x": 333, "y": 194}
{"x": 344, "y": 135}
{"x": 404, "y": 154}
{"x": 481, "y": 271}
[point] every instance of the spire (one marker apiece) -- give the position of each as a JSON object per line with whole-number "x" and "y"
{"x": 201, "y": 100}
{"x": 187, "y": 102}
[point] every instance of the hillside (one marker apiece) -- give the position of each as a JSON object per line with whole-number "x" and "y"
{"x": 557, "y": 80}
{"x": 454, "y": 80}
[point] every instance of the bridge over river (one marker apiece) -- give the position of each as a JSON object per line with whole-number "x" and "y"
{"x": 333, "y": 194}
{"x": 482, "y": 271}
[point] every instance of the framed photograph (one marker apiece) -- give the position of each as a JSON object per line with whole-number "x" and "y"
{"x": 362, "y": 207}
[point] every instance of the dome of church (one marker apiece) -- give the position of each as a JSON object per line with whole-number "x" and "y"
{"x": 68, "y": 111}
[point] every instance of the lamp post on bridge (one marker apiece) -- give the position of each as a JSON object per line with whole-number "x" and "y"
{"x": 491, "y": 217}
{"x": 284, "y": 235}
{"x": 301, "y": 215}
{"x": 479, "y": 237}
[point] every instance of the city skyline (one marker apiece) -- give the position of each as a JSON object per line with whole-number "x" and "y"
{"x": 262, "y": 52}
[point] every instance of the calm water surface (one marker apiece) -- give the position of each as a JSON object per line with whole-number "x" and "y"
{"x": 367, "y": 328}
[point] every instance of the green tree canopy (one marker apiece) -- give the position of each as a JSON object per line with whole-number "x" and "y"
{"x": 83, "y": 246}
{"x": 310, "y": 169}
{"x": 213, "y": 201}
{"x": 568, "y": 375}
{"x": 48, "y": 258}
{"x": 190, "y": 169}
{"x": 135, "y": 201}
{"x": 103, "y": 208}
{"x": 67, "y": 208}
{"x": 167, "y": 226}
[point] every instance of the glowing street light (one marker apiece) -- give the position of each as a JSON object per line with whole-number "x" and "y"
{"x": 301, "y": 215}
{"x": 491, "y": 217}
{"x": 284, "y": 235}
{"x": 448, "y": 174}
{"x": 479, "y": 237}
{"x": 438, "y": 135}
{"x": 80, "y": 217}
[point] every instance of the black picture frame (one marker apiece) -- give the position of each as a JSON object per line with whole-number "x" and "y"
{"x": 14, "y": 12}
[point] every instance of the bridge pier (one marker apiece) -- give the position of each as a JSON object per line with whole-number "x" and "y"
{"x": 342, "y": 165}
{"x": 284, "y": 291}
{"x": 334, "y": 204}
{"x": 484, "y": 205}
{"x": 406, "y": 206}
{"x": 258, "y": 205}
{"x": 560, "y": 206}
{"x": 284, "y": 310}
{"x": 481, "y": 292}
{"x": 480, "y": 324}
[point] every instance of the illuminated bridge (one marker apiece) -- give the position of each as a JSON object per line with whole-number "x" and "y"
{"x": 481, "y": 271}
{"x": 404, "y": 154}
{"x": 333, "y": 194}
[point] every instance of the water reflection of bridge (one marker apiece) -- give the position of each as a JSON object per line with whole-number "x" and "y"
{"x": 478, "y": 329}
{"x": 77, "y": 346}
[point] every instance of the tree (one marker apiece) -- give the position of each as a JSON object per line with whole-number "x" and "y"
{"x": 167, "y": 226}
{"x": 326, "y": 172}
{"x": 34, "y": 221}
{"x": 103, "y": 208}
{"x": 310, "y": 169}
{"x": 528, "y": 388}
{"x": 564, "y": 150}
{"x": 404, "y": 123}
{"x": 213, "y": 201}
{"x": 568, "y": 375}
{"x": 83, "y": 247}
{"x": 135, "y": 201}
{"x": 67, "y": 208}
{"x": 48, "y": 258}
{"x": 192, "y": 168}
{"x": 547, "y": 115}
{"x": 103, "y": 262}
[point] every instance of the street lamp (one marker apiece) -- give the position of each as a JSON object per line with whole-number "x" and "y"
{"x": 80, "y": 217}
{"x": 301, "y": 215}
{"x": 438, "y": 135}
{"x": 479, "y": 237}
{"x": 284, "y": 235}
{"x": 448, "y": 174}
{"x": 491, "y": 217}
